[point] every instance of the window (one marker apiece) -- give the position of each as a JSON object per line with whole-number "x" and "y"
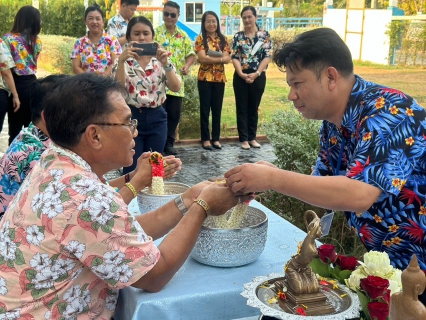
{"x": 194, "y": 11}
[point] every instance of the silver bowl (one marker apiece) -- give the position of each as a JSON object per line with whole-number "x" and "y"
{"x": 148, "y": 202}
{"x": 232, "y": 247}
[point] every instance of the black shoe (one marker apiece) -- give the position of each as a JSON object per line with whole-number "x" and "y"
{"x": 209, "y": 147}
{"x": 170, "y": 151}
{"x": 217, "y": 146}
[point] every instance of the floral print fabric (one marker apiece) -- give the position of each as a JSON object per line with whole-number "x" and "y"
{"x": 6, "y": 63}
{"x": 96, "y": 57}
{"x": 117, "y": 26}
{"x": 18, "y": 161}
{"x": 68, "y": 243}
{"x": 179, "y": 44}
{"x": 147, "y": 88}
{"x": 242, "y": 49}
{"x": 25, "y": 61}
{"x": 384, "y": 133}
{"x": 211, "y": 72}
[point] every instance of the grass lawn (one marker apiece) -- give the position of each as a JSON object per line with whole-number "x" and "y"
{"x": 410, "y": 80}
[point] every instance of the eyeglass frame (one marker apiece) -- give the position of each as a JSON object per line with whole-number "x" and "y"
{"x": 171, "y": 14}
{"x": 133, "y": 124}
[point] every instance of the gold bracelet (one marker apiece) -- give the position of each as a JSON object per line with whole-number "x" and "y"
{"x": 132, "y": 188}
{"x": 203, "y": 205}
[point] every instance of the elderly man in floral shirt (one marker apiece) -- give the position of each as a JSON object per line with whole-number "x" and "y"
{"x": 67, "y": 240}
{"x": 177, "y": 42}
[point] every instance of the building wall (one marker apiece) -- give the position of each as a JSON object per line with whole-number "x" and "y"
{"x": 374, "y": 45}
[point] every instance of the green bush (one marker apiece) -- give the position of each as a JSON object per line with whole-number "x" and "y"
{"x": 296, "y": 145}
{"x": 8, "y": 10}
{"x": 56, "y": 53}
{"x": 189, "y": 126}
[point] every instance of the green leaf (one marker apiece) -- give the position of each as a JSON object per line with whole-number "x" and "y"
{"x": 44, "y": 186}
{"x": 320, "y": 267}
{"x": 62, "y": 307}
{"x": 113, "y": 207}
{"x": 31, "y": 274}
{"x": 39, "y": 212}
{"x": 51, "y": 302}
{"x": 2, "y": 310}
{"x": 96, "y": 225}
{"x": 10, "y": 264}
{"x": 344, "y": 274}
{"x": 38, "y": 293}
{"x": 112, "y": 282}
{"x": 19, "y": 257}
{"x": 75, "y": 178}
{"x": 29, "y": 286}
{"x": 54, "y": 257}
{"x": 84, "y": 287}
{"x": 107, "y": 228}
{"x": 12, "y": 233}
{"x": 65, "y": 196}
{"x": 2, "y": 261}
{"x": 85, "y": 216}
{"x": 62, "y": 277}
{"x": 364, "y": 300}
{"x": 97, "y": 261}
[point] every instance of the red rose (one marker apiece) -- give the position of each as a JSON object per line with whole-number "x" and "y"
{"x": 375, "y": 287}
{"x": 327, "y": 253}
{"x": 148, "y": 72}
{"x": 346, "y": 262}
{"x": 300, "y": 311}
{"x": 378, "y": 310}
{"x": 386, "y": 296}
{"x": 131, "y": 89}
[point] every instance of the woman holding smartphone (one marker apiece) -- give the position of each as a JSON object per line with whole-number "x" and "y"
{"x": 146, "y": 78}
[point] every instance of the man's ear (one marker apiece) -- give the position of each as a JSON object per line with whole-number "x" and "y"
{"x": 93, "y": 136}
{"x": 332, "y": 77}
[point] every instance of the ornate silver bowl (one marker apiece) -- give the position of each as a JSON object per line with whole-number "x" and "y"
{"x": 148, "y": 202}
{"x": 232, "y": 247}
{"x": 345, "y": 302}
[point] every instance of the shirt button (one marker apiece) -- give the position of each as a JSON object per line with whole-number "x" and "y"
{"x": 140, "y": 110}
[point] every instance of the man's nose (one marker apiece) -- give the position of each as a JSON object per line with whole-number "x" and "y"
{"x": 292, "y": 95}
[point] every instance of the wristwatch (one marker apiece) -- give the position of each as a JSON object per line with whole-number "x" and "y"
{"x": 169, "y": 67}
{"x": 181, "y": 206}
{"x": 258, "y": 73}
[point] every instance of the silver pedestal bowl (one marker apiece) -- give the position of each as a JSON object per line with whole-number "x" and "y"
{"x": 148, "y": 202}
{"x": 232, "y": 247}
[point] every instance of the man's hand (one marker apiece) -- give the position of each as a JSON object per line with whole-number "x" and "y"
{"x": 173, "y": 166}
{"x": 250, "y": 177}
{"x": 142, "y": 175}
{"x": 184, "y": 70}
{"x": 16, "y": 103}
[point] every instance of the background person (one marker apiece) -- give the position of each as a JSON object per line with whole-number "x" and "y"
{"x": 177, "y": 42}
{"x": 96, "y": 51}
{"x": 251, "y": 53}
{"x": 80, "y": 244}
{"x": 117, "y": 25}
{"x": 7, "y": 85}
{"x": 371, "y": 160}
{"x": 25, "y": 47}
{"x": 146, "y": 79}
{"x": 211, "y": 76}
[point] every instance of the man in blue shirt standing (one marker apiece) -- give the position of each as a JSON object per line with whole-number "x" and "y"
{"x": 117, "y": 25}
{"x": 372, "y": 161}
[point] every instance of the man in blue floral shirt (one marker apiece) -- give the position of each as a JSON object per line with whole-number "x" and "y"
{"x": 372, "y": 162}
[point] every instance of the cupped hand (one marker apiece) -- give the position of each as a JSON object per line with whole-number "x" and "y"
{"x": 162, "y": 56}
{"x": 249, "y": 177}
{"x": 173, "y": 166}
{"x": 220, "y": 198}
{"x": 129, "y": 52}
{"x": 143, "y": 172}
{"x": 184, "y": 70}
{"x": 192, "y": 193}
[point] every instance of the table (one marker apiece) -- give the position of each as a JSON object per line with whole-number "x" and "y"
{"x": 202, "y": 292}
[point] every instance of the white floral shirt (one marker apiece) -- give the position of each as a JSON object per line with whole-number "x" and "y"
{"x": 6, "y": 63}
{"x": 68, "y": 243}
{"x": 147, "y": 88}
{"x": 117, "y": 26}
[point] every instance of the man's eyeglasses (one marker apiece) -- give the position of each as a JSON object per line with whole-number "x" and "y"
{"x": 132, "y": 125}
{"x": 171, "y": 14}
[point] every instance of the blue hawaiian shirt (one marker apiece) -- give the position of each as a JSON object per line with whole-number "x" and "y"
{"x": 383, "y": 139}
{"x": 117, "y": 26}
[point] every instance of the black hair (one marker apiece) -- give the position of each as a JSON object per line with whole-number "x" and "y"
{"x": 91, "y": 8}
{"x": 130, "y": 2}
{"x": 135, "y": 20}
{"x": 28, "y": 23}
{"x": 40, "y": 88}
{"x": 172, "y": 4}
{"x": 203, "y": 30}
{"x": 315, "y": 50}
{"x": 76, "y": 102}
{"x": 253, "y": 11}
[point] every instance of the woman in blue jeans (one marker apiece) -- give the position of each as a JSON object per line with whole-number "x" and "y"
{"x": 146, "y": 78}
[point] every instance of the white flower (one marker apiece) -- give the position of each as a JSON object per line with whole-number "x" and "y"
{"x": 72, "y": 293}
{"x": 34, "y": 236}
{"x": 45, "y": 279}
{"x": 86, "y": 297}
{"x": 377, "y": 264}
{"x": 76, "y": 248}
{"x": 124, "y": 273}
{"x": 114, "y": 257}
{"x": 56, "y": 173}
{"x": 37, "y": 202}
{"x": 99, "y": 211}
{"x": 47, "y": 315}
{"x": 105, "y": 194}
{"x": 353, "y": 281}
{"x": 53, "y": 208}
{"x": 40, "y": 261}
{"x": 395, "y": 284}
{"x": 63, "y": 266}
{"x": 53, "y": 191}
{"x": 111, "y": 302}
{"x": 4, "y": 231}
{"x": 105, "y": 271}
{"x": 8, "y": 249}
{"x": 76, "y": 273}
{"x": 83, "y": 186}
{"x": 11, "y": 315}
{"x": 73, "y": 309}
{"x": 3, "y": 288}
{"x": 142, "y": 237}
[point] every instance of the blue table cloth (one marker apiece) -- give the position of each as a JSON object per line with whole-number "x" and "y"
{"x": 202, "y": 292}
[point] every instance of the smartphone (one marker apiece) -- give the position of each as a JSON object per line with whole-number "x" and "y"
{"x": 149, "y": 49}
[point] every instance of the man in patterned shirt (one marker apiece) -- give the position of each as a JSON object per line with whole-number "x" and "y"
{"x": 26, "y": 149}
{"x": 117, "y": 25}
{"x": 177, "y": 42}
{"x": 67, "y": 240}
{"x": 372, "y": 160}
